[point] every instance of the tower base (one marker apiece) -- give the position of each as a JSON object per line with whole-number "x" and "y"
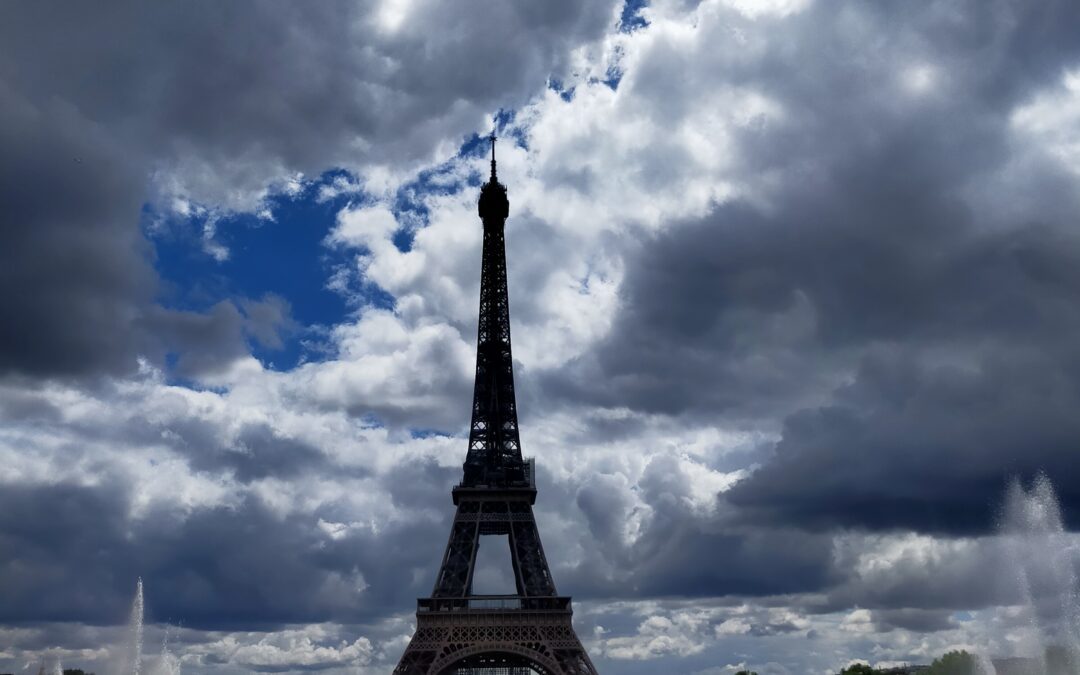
{"x": 494, "y": 635}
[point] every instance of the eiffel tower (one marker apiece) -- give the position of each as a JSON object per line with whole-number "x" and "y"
{"x": 459, "y": 632}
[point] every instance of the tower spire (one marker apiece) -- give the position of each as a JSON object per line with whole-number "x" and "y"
{"x": 494, "y": 176}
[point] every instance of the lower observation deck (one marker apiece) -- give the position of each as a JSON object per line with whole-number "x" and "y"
{"x": 495, "y": 634}
{"x": 495, "y": 603}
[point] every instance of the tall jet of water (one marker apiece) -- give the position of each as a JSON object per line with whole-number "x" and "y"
{"x": 136, "y": 629}
{"x": 1044, "y": 558}
{"x": 168, "y": 664}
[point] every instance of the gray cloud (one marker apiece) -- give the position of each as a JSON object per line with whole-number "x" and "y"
{"x": 913, "y": 339}
{"x": 70, "y": 553}
{"x": 105, "y": 108}
{"x": 941, "y": 442}
{"x": 291, "y": 88}
{"x": 920, "y": 621}
{"x": 75, "y": 271}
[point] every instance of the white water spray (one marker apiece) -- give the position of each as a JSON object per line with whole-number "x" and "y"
{"x": 1043, "y": 558}
{"x": 986, "y": 666}
{"x": 168, "y": 664}
{"x": 135, "y": 626}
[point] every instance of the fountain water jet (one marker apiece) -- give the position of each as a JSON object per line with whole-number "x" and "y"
{"x": 132, "y": 660}
{"x": 1043, "y": 557}
{"x": 135, "y": 627}
{"x": 168, "y": 664}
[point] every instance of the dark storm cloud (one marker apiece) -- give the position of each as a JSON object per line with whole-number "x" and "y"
{"x": 73, "y": 267}
{"x": 72, "y": 553}
{"x": 917, "y": 620}
{"x": 101, "y": 107}
{"x": 916, "y": 341}
{"x": 51, "y": 544}
{"x": 919, "y": 575}
{"x": 696, "y": 562}
{"x": 258, "y": 452}
{"x": 680, "y": 553}
{"x": 292, "y": 83}
{"x": 246, "y": 566}
{"x": 206, "y": 342}
{"x": 924, "y": 447}
{"x": 27, "y": 406}
{"x": 78, "y": 284}
{"x": 277, "y": 570}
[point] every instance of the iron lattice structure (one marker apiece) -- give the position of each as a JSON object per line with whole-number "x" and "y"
{"x": 458, "y": 632}
{"x": 494, "y": 456}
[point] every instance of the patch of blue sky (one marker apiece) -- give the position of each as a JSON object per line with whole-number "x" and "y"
{"x": 559, "y": 87}
{"x": 506, "y": 127}
{"x": 410, "y": 204}
{"x": 504, "y": 117}
{"x": 613, "y": 77}
{"x": 285, "y": 256}
{"x": 631, "y": 18}
{"x": 428, "y": 433}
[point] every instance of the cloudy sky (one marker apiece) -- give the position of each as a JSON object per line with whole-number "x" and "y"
{"x": 795, "y": 291}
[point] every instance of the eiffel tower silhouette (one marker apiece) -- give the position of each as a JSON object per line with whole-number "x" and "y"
{"x": 457, "y": 631}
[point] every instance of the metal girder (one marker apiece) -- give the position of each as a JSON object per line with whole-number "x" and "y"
{"x": 511, "y": 515}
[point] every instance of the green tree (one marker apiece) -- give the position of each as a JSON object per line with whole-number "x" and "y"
{"x": 955, "y": 663}
{"x": 746, "y": 672}
{"x": 858, "y": 669}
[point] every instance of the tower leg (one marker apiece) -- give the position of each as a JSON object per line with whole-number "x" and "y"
{"x": 531, "y": 631}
